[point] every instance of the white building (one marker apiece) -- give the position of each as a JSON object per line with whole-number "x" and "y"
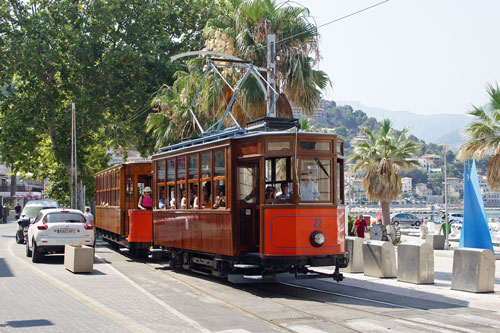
{"x": 406, "y": 185}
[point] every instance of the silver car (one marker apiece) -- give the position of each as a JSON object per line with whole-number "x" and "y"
{"x": 406, "y": 219}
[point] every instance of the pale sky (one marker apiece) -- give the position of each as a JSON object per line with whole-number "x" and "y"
{"x": 423, "y": 56}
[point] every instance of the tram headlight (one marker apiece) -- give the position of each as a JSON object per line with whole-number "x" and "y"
{"x": 317, "y": 238}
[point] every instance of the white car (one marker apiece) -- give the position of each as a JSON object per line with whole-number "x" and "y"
{"x": 55, "y": 228}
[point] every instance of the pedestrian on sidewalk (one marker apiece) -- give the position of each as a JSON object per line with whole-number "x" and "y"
{"x": 18, "y": 208}
{"x": 1, "y": 213}
{"x": 88, "y": 216}
{"x": 360, "y": 227}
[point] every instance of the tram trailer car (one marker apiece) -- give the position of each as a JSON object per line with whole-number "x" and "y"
{"x": 225, "y": 209}
{"x": 118, "y": 190}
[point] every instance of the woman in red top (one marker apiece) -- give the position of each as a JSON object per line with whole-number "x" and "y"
{"x": 360, "y": 226}
{"x": 146, "y": 201}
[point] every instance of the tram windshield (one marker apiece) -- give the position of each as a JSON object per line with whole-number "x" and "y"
{"x": 315, "y": 182}
{"x": 278, "y": 180}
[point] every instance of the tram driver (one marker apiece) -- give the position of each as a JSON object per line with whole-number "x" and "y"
{"x": 308, "y": 189}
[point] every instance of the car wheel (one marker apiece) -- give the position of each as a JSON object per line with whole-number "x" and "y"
{"x": 19, "y": 237}
{"x": 28, "y": 251}
{"x": 37, "y": 255}
{"x": 417, "y": 223}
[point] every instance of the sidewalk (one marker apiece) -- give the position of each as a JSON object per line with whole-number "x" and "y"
{"x": 440, "y": 291}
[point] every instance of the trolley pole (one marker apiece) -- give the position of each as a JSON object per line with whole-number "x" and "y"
{"x": 271, "y": 72}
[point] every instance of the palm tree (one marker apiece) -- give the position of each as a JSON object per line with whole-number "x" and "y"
{"x": 382, "y": 157}
{"x": 484, "y": 137}
{"x": 242, "y": 29}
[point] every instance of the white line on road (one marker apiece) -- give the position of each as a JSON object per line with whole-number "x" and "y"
{"x": 437, "y": 323}
{"x": 368, "y": 327}
{"x": 169, "y": 308}
{"x": 119, "y": 318}
{"x": 422, "y": 327}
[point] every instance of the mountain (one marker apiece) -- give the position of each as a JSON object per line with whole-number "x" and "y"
{"x": 436, "y": 128}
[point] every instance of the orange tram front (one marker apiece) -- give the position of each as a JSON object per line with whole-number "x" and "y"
{"x": 244, "y": 204}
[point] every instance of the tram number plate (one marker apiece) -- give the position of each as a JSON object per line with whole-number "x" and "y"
{"x": 248, "y": 212}
{"x": 317, "y": 223}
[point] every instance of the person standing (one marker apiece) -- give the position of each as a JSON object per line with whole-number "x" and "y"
{"x": 360, "y": 227}
{"x": 308, "y": 189}
{"x": 88, "y": 216}
{"x": 1, "y": 213}
{"x": 18, "y": 209}
{"x": 146, "y": 201}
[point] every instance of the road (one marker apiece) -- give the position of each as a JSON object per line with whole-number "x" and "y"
{"x": 126, "y": 295}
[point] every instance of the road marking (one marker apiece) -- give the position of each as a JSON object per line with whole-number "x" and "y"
{"x": 305, "y": 329}
{"x": 169, "y": 308}
{"x": 423, "y": 327}
{"x": 365, "y": 326}
{"x": 480, "y": 320}
{"x": 119, "y": 318}
{"x": 437, "y": 323}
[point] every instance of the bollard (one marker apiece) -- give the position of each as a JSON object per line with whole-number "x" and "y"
{"x": 354, "y": 246}
{"x": 436, "y": 241}
{"x": 416, "y": 263}
{"x": 79, "y": 258}
{"x": 473, "y": 270}
{"x": 379, "y": 259}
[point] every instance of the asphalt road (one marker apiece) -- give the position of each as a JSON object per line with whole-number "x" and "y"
{"x": 122, "y": 294}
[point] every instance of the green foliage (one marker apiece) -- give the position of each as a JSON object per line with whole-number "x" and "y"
{"x": 107, "y": 57}
{"x": 350, "y": 224}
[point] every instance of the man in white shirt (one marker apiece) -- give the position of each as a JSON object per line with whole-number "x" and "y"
{"x": 88, "y": 216}
{"x": 308, "y": 189}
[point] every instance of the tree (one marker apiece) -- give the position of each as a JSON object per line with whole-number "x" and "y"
{"x": 107, "y": 57}
{"x": 382, "y": 157}
{"x": 484, "y": 137}
{"x": 240, "y": 29}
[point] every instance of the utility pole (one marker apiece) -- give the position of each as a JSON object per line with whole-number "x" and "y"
{"x": 271, "y": 72}
{"x": 73, "y": 167}
{"x": 445, "y": 199}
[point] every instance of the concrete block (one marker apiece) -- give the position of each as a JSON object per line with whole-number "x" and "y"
{"x": 473, "y": 270}
{"x": 79, "y": 258}
{"x": 416, "y": 263}
{"x": 436, "y": 241}
{"x": 379, "y": 259}
{"x": 354, "y": 246}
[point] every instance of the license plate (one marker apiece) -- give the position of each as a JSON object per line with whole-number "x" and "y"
{"x": 65, "y": 231}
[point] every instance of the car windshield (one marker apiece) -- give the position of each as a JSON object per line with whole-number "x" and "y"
{"x": 65, "y": 217}
{"x": 32, "y": 211}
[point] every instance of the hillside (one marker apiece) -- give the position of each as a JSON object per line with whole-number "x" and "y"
{"x": 436, "y": 128}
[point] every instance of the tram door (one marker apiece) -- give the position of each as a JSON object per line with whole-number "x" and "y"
{"x": 248, "y": 207}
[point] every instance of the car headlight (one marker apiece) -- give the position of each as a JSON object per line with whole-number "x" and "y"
{"x": 317, "y": 238}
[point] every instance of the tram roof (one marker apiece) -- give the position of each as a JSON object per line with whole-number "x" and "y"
{"x": 119, "y": 165}
{"x": 231, "y": 133}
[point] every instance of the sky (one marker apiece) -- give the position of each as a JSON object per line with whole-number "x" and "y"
{"x": 423, "y": 56}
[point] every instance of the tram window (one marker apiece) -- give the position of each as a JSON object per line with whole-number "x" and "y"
{"x": 181, "y": 196}
{"x": 193, "y": 196}
{"x": 278, "y": 179}
{"x": 181, "y": 168}
{"x": 220, "y": 194}
{"x": 340, "y": 148}
{"x": 278, "y": 145}
{"x": 205, "y": 165}
{"x": 170, "y": 170}
{"x": 160, "y": 171}
{"x": 193, "y": 166}
{"x": 219, "y": 163}
{"x": 315, "y": 183}
{"x": 340, "y": 181}
{"x": 246, "y": 178}
{"x": 171, "y": 197}
{"x": 313, "y": 145}
{"x": 206, "y": 194}
{"x": 161, "y": 197}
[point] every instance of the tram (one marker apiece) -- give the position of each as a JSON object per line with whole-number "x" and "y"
{"x": 239, "y": 204}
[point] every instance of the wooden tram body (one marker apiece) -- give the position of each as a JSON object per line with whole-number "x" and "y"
{"x": 212, "y": 214}
{"x": 118, "y": 189}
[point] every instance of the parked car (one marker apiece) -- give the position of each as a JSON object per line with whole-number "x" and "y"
{"x": 406, "y": 219}
{"x": 30, "y": 211}
{"x": 55, "y": 228}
